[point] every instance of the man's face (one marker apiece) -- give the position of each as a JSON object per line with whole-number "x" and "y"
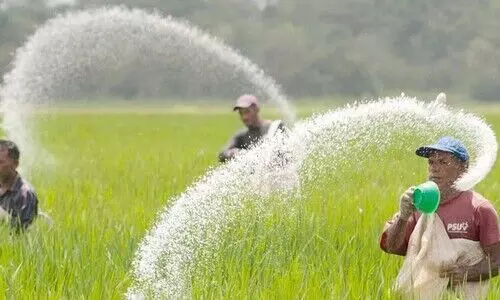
{"x": 249, "y": 116}
{"x": 7, "y": 165}
{"x": 444, "y": 169}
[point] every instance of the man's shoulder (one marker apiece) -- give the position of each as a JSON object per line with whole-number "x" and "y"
{"x": 280, "y": 123}
{"x": 241, "y": 132}
{"x": 274, "y": 125}
{"x": 277, "y": 121}
{"x": 26, "y": 187}
{"x": 478, "y": 200}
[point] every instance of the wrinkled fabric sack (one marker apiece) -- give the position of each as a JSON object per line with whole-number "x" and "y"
{"x": 430, "y": 249}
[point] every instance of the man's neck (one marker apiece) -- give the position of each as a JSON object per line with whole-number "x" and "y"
{"x": 449, "y": 194}
{"x": 7, "y": 182}
{"x": 257, "y": 125}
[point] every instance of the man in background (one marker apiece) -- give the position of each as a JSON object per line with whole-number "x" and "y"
{"x": 248, "y": 108}
{"x": 18, "y": 200}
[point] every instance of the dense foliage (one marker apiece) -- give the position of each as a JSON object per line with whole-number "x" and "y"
{"x": 319, "y": 48}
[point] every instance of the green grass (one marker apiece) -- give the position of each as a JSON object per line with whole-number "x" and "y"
{"x": 116, "y": 171}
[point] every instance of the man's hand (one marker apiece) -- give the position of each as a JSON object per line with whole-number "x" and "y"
{"x": 228, "y": 154}
{"x": 232, "y": 152}
{"x": 456, "y": 274}
{"x": 406, "y": 207}
{"x": 483, "y": 270}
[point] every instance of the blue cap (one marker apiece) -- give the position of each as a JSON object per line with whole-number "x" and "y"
{"x": 446, "y": 144}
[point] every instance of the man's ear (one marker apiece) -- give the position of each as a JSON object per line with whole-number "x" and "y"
{"x": 465, "y": 165}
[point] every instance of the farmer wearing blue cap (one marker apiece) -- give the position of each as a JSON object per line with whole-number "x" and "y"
{"x": 248, "y": 108}
{"x": 465, "y": 214}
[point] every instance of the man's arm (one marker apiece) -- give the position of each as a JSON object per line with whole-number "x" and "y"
{"x": 488, "y": 267}
{"x": 484, "y": 270}
{"x": 397, "y": 231}
{"x": 25, "y": 212}
{"x": 489, "y": 238}
{"x": 230, "y": 150}
{"x": 394, "y": 236}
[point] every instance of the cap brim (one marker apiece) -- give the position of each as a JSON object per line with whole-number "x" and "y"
{"x": 426, "y": 150}
{"x": 235, "y": 108}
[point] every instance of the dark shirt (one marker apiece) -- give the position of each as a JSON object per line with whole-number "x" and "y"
{"x": 21, "y": 202}
{"x": 247, "y": 138}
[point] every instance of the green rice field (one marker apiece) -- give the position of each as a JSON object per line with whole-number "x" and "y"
{"x": 116, "y": 169}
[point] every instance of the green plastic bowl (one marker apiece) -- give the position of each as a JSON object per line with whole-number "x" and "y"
{"x": 426, "y": 197}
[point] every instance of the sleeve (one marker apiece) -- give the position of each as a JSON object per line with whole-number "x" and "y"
{"x": 489, "y": 232}
{"x": 410, "y": 225}
{"x": 26, "y": 210}
{"x": 233, "y": 143}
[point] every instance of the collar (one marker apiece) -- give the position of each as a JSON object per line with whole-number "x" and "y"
{"x": 451, "y": 200}
{"x": 17, "y": 185}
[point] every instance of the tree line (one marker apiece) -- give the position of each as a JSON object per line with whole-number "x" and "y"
{"x": 314, "y": 48}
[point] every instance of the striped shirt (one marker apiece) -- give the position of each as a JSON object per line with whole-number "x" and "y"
{"x": 21, "y": 203}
